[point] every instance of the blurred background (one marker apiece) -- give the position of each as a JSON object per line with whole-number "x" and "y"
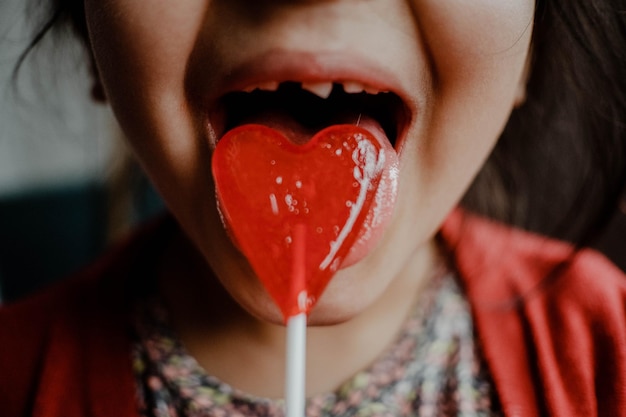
{"x": 65, "y": 182}
{"x": 67, "y": 188}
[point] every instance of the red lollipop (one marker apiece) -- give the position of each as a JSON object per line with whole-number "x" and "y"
{"x": 295, "y": 210}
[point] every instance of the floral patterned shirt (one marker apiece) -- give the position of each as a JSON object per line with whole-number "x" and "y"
{"x": 434, "y": 368}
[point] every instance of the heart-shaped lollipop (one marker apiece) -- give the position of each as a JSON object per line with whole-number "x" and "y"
{"x": 296, "y": 207}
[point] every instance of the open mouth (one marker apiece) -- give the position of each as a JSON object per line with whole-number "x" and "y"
{"x": 299, "y": 110}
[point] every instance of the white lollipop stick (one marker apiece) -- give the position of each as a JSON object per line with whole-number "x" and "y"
{"x": 296, "y": 359}
{"x": 296, "y": 331}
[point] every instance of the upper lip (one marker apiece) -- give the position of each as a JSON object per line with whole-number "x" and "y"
{"x": 279, "y": 65}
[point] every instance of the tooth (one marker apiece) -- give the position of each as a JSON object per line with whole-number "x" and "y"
{"x": 353, "y": 87}
{"x": 322, "y": 89}
{"x": 268, "y": 86}
{"x": 371, "y": 90}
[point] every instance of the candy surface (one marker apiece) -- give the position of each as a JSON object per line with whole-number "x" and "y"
{"x": 296, "y": 207}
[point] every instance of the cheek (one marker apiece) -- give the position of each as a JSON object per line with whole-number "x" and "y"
{"x": 477, "y": 52}
{"x": 142, "y": 51}
{"x": 150, "y": 38}
{"x": 141, "y": 48}
{"x": 467, "y": 39}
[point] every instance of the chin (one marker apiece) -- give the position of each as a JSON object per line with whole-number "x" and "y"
{"x": 351, "y": 292}
{"x": 333, "y": 314}
{"x": 346, "y": 296}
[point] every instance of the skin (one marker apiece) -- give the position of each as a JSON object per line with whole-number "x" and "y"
{"x": 459, "y": 65}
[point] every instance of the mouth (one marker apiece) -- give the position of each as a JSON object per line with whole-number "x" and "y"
{"x": 300, "y": 109}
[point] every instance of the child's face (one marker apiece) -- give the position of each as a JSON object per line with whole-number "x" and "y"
{"x": 456, "y": 64}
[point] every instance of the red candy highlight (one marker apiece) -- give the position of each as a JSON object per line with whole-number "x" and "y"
{"x": 295, "y": 210}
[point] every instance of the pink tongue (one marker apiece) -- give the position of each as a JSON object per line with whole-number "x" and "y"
{"x": 296, "y": 210}
{"x": 299, "y": 134}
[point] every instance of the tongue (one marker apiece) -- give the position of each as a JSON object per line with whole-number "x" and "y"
{"x": 380, "y": 214}
{"x": 299, "y": 133}
{"x": 327, "y": 199}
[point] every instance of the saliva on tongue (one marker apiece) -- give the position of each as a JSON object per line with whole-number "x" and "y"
{"x": 294, "y": 202}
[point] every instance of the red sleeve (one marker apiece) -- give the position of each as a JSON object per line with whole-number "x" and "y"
{"x": 555, "y": 345}
{"x": 22, "y": 335}
{"x": 66, "y": 352}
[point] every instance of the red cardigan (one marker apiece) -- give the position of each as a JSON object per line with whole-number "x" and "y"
{"x": 555, "y": 347}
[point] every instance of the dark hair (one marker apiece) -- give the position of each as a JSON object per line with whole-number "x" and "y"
{"x": 58, "y": 16}
{"x": 560, "y": 165}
